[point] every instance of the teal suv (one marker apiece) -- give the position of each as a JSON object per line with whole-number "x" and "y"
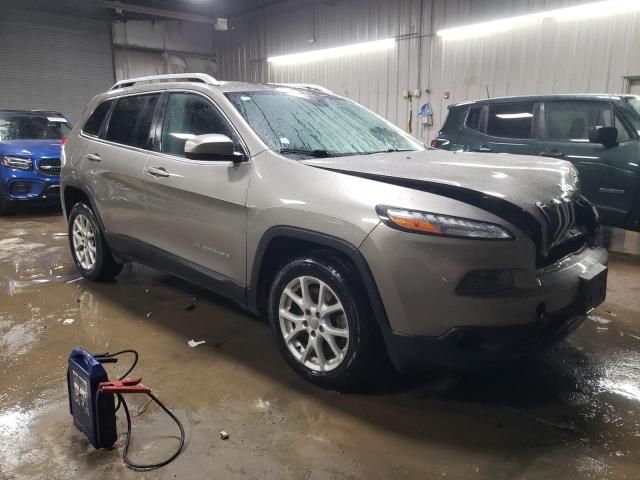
{"x": 599, "y": 134}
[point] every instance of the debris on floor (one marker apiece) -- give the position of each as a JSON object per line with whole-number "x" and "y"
{"x": 68, "y": 321}
{"x": 599, "y": 319}
{"x": 192, "y": 343}
{"x": 192, "y": 305}
{"x": 224, "y": 435}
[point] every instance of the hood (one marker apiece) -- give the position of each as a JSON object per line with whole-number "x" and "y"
{"x": 31, "y": 148}
{"x": 538, "y": 195}
{"x": 520, "y": 180}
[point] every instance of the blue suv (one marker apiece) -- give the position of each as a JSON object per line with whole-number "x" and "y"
{"x": 30, "y": 146}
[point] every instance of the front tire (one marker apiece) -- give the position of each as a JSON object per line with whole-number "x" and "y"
{"x": 6, "y": 207}
{"x": 322, "y": 324}
{"x": 89, "y": 249}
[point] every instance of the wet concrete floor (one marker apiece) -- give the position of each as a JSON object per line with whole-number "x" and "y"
{"x": 575, "y": 413}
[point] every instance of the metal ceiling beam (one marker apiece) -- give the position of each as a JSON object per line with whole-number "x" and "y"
{"x": 157, "y": 12}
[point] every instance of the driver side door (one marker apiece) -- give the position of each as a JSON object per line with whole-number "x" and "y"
{"x": 607, "y": 178}
{"x": 196, "y": 208}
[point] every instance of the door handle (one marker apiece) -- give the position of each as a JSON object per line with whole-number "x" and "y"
{"x": 158, "y": 172}
{"x": 94, "y": 157}
{"x": 552, "y": 154}
{"x": 484, "y": 149}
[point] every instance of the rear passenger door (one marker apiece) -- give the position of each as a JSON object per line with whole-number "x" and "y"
{"x": 607, "y": 179}
{"x": 114, "y": 165}
{"x": 197, "y": 208}
{"x": 510, "y": 128}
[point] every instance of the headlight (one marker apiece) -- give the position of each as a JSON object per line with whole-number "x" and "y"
{"x": 444, "y": 225}
{"x": 16, "y": 162}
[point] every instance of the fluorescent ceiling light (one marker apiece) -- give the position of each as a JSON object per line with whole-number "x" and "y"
{"x": 331, "y": 53}
{"x": 508, "y": 116}
{"x": 589, "y": 10}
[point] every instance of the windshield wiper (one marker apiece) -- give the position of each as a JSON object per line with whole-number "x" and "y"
{"x": 311, "y": 153}
{"x": 389, "y": 150}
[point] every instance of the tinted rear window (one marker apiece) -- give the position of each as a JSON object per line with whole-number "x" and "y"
{"x": 511, "y": 120}
{"x": 130, "y": 122}
{"x": 94, "y": 122}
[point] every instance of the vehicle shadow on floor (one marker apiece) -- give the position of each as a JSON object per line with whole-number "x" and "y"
{"x": 34, "y": 211}
{"x": 542, "y": 402}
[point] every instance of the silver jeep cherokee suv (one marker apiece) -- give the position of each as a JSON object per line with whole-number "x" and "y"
{"x": 356, "y": 242}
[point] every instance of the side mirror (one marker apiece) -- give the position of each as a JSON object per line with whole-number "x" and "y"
{"x": 212, "y": 146}
{"x": 607, "y": 136}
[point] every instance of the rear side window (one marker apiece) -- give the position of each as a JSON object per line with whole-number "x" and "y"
{"x": 94, "y": 122}
{"x": 130, "y": 122}
{"x": 571, "y": 121}
{"x": 474, "y": 118}
{"x": 511, "y": 120}
{"x": 188, "y": 115}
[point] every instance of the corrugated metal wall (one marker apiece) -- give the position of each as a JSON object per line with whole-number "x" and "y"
{"x": 580, "y": 56}
{"x": 591, "y": 55}
{"x": 53, "y": 56}
{"x": 375, "y": 80}
{"x": 143, "y": 47}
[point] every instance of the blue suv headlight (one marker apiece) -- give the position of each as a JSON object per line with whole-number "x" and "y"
{"x": 17, "y": 163}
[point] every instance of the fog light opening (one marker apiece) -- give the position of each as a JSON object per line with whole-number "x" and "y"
{"x": 485, "y": 282}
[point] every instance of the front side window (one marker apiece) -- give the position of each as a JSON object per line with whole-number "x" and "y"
{"x": 130, "y": 122}
{"x": 511, "y": 120}
{"x": 94, "y": 122}
{"x": 570, "y": 121}
{"x": 188, "y": 115}
{"x": 32, "y": 126}
{"x": 631, "y": 108}
{"x": 311, "y": 123}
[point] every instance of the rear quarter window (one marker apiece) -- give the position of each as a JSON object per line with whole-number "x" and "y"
{"x": 454, "y": 121}
{"x": 94, "y": 123}
{"x": 130, "y": 122}
{"x": 474, "y": 118}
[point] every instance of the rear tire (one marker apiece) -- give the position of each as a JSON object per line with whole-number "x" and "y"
{"x": 89, "y": 249}
{"x": 326, "y": 332}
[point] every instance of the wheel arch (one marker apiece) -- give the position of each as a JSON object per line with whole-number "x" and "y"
{"x": 72, "y": 193}
{"x": 265, "y": 264}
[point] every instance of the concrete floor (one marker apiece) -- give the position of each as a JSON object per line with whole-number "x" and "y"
{"x": 575, "y": 413}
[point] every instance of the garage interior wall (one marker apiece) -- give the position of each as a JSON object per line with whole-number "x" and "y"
{"x": 580, "y": 56}
{"x": 145, "y": 47}
{"x": 53, "y": 56}
{"x": 58, "y": 54}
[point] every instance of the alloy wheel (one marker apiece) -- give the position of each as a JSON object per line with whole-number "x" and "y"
{"x": 314, "y": 324}
{"x": 84, "y": 242}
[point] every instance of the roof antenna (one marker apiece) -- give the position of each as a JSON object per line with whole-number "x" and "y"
{"x": 488, "y": 95}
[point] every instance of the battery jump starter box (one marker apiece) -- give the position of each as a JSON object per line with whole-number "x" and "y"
{"x": 93, "y": 412}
